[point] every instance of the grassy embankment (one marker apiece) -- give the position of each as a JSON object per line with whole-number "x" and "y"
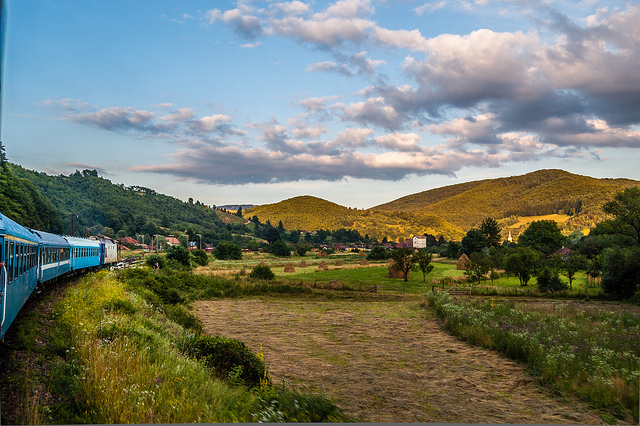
{"x": 116, "y": 347}
{"x": 583, "y": 350}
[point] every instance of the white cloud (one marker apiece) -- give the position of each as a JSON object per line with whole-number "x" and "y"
{"x": 371, "y": 111}
{"x": 430, "y": 7}
{"x": 403, "y": 142}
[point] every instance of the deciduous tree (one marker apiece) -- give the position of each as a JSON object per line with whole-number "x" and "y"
{"x": 544, "y": 236}
{"x": 403, "y": 258}
{"x": 422, "y": 261}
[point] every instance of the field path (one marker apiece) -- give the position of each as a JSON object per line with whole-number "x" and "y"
{"x": 385, "y": 361}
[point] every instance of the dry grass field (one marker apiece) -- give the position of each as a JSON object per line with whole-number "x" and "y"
{"x": 384, "y": 359}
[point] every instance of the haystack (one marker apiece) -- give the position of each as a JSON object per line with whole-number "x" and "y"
{"x": 338, "y": 263}
{"x": 302, "y": 264}
{"x": 463, "y": 262}
{"x": 323, "y": 266}
{"x": 364, "y": 262}
{"x": 393, "y": 272}
{"x": 289, "y": 267}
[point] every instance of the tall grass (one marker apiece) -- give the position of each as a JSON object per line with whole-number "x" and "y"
{"x": 129, "y": 363}
{"x": 125, "y": 362}
{"x": 591, "y": 353}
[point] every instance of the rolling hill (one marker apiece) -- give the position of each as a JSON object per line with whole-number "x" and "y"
{"x": 311, "y": 213}
{"x": 544, "y": 192}
{"x": 573, "y": 200}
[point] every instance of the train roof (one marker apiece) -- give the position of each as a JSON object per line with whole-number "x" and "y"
{"x": 51, "y": 239}
{"x": 82, "y": 242}
{"x": 10, "y": 227}
{"x": 104, "y": 239}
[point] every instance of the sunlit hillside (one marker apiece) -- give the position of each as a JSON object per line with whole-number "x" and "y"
{"x": 574, "y": 201}
{"x": 311, "y": 213}
{"x": 535, "y": 194}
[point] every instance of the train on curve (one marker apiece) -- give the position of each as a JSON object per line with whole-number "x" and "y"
{"x": 29, "y": 257}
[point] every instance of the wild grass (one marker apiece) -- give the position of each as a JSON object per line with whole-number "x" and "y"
{"x": 129, "y": 367}
{"x": 588, "y": 352}
{"x": 125, "y": 362}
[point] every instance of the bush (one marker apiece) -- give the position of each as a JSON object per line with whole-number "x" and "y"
{"x": 180, "y": 254}
{"x": 301, "y": 249}
{"x": 227, "y": 250}
{"x": 154, "y": 259}
{"x": 181, "y": 315}
{"x": 262, "y": 272}
{"x": 229, "y": 359}
{"x": 280, "y": 249}
{"x": 378, "y": 253}
{"x": 200, "y": 257}
{"x": 621, "y": 272}
{"x": 549, "y": 280}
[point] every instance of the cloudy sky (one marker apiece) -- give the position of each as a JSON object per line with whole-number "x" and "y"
{"x": 355, "y": 101}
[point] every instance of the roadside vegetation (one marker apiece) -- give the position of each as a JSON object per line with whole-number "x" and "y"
{"x": 575, "y": 349}
{"x": 124, "y": 348}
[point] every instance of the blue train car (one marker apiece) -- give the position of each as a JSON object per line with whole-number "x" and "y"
{"x": 19, "y": 268}
{"x": 85, "y": 253}
{"x": 54, "y": 254}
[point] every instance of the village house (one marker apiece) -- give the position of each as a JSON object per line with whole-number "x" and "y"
{"x": 420, "y": 241}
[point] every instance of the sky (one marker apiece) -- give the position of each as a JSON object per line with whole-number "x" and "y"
{"x": 359, "y": 102}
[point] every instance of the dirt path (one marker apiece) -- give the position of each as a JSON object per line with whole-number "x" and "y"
{"x": 385, "y": 361}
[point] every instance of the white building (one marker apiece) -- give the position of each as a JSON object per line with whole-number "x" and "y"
{"x": 419, "y": 241}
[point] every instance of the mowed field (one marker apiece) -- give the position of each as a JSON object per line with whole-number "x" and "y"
{"x": 383, "y": 358}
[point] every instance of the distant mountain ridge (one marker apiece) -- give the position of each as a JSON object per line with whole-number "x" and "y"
{"x": 452, "y": 210}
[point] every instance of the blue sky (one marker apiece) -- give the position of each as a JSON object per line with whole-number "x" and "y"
{"x": 355, "y": 101}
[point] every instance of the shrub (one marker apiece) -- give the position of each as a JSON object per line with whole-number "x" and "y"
{"x": 224, "y": 356}
{"x": 280, "y": 249}
{"x": 621, "y": 272}
{"x": 200, "y": 257}
{"x": 182, "y": 316}
{"x": 301, "y": 249}
{"x": 549, "y": 280}
{"x": 180, "y": 254}
{"x": 262, "y": 272}
{"x": 227, "y": 250}
{"x": 154, "y": 259}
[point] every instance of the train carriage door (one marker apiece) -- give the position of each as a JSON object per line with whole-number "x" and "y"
{"x": 4, "y": 280}
{"x": 102, "y": 253}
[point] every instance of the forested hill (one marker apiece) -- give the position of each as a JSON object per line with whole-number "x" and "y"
{"x": 539, "y": 193}
{"x": 21, "y": 201}
{"x": 104, "y": 207}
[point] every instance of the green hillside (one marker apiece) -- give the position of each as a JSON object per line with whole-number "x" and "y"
{"x": 101, "y": 206}
{"x": 21, "y": 201}
{"x": 539, "y": 193}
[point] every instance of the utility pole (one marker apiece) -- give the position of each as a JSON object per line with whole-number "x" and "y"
{"x": 200, "y": 235}
{"x": 73, "y": 216}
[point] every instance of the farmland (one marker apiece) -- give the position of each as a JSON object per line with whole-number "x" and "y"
{"x": 336, "y": 342}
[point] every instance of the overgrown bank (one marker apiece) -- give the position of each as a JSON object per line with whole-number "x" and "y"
{"x": 120, "y": 351}
{"x": 587, "y": 352}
